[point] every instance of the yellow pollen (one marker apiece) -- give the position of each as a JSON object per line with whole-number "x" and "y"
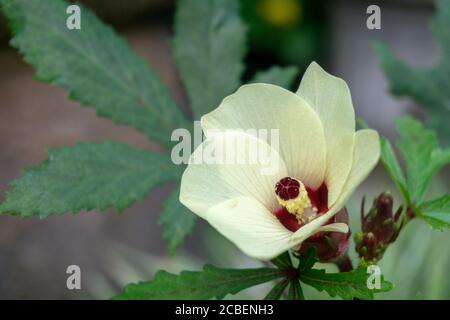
{"x": 297, "y": 206}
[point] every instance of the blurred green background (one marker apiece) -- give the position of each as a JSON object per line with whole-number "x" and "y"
{"x": 114, "y": 250}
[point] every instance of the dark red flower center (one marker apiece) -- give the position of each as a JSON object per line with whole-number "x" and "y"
{"x": 288, "y": 188}
{"x": 319, "y": 198}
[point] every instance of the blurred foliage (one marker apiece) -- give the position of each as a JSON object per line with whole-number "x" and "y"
{"x": 209, "y": 46}
{"x": 286, "y": 31}
{"x": 98, "y": 68}
{"x": 418, "y": 263}
{"x": 429, "y": 88}
{"x": 276, "y": 75}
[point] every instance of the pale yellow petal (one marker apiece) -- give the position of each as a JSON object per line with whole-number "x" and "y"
{"x": 207, "y": 184}
{"x": 366, "y": 154}
{"x": 334, "y": 227}
{"x": 264, "y": 106}
{"x": 365, "y": 157}
{"x": 339, "y": 162}
{"x": 330, "y": 97}
{"x": 251, "y": 227}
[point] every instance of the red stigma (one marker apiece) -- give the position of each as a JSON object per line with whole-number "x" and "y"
{"x": 287, "y": 188}
{"x": 318, "y": 198}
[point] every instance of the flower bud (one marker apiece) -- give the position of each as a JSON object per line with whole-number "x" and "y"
{"x": 378, "y": 228}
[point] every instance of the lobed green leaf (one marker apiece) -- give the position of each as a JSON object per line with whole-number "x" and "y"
{"x": 277, "y": 291}
{"x": 212, "y": 282}
{"x": 94, "y": 64}
{"x": 347, "y": 285}
{"x": 295, "y": 291}
{"x": 177, "y": 221}
{"x": 436, "y": 212}
{"x": 88, "y": 176}
{"x": 422, "y": 155}
{"x": 209, "y": 47}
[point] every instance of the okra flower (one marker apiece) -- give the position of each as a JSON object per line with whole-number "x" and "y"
{"x": 320, "y": 161}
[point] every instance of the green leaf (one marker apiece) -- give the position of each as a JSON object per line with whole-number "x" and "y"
{"x": 277, "y": 291}
{"x": 347, "y": 285}
{"x": 295, "y": 291}
{"x": 177, "y": 221}
{"x": 429, "y": 88}
{"x": 212, "y": 282}
{"x": 280, "y": 76}
{"x": 436, "y": 212}
{"x": 392, "y": 166}
{"x": 88, "y": 176}
{"x": 209, "y": 47}
{"x": 96, "y": 65}
{"x": 307, "y": 262}
{"x": 283, "y": 260}
{"x": 422, "y": 155}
